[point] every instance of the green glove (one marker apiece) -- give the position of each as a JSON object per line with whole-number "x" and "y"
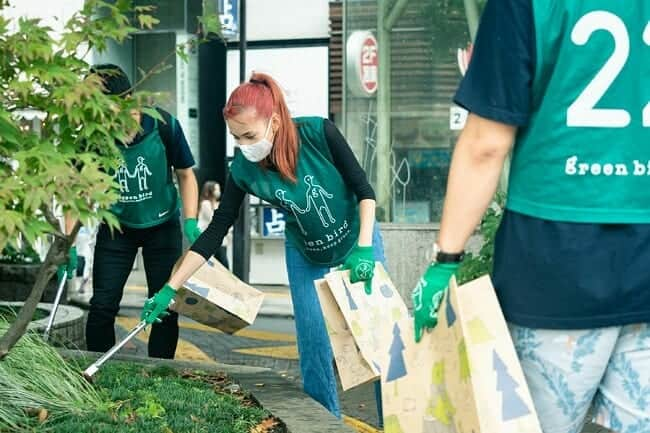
{"x": 361, "y": 263}
{"x": 155, "y": 307}
{"x": 428, "y": 294}
{"x": 191, "y": 229}
{"x": 70, "y": 266}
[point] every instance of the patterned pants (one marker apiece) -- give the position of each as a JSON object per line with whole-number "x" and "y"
{"x": 571, "y": 372}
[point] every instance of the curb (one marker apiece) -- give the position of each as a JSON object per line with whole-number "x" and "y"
{"x": 68, "y": 328}
{"x": 282, "y": 398}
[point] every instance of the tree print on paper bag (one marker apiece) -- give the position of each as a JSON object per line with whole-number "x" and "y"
{"x": 513, "y": 406}
{"x": 392, "y": 425}
{"x": 440, "y": 411}
{"x": 397, "y": 366}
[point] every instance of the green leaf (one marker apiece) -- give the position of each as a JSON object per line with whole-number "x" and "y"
{"x": 180, "y": 52}
{"x": 477, "y": 265}
{"x": 153, "y": 113}
{"x": 144, "y": 9}
{"x": 147, "y": 21}
{"x": 210, "y": 24}
{"x": 9, "y": 132}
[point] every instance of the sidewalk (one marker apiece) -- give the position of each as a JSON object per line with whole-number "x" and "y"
{"x": 277, "y": 300}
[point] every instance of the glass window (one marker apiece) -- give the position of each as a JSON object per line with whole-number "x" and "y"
{"x": 412, "y": 163}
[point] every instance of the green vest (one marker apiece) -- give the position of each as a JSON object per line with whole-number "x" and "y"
{"x": 321, "y": 212}
{"x": 585, "y": 154}
{"x": 148, "y": 196}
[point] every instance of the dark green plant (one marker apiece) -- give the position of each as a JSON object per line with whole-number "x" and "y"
{"x": 155, "y": 400}
{"x": 42, "y": 392}
{"x": 24, "y": 255}
{"x": 477, "y": 265}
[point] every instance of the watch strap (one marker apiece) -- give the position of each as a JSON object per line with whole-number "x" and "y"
{"x": 443, "y": 257}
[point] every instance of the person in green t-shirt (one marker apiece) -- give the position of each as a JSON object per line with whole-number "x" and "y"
{"x": 148, "y": 210}
{"x": 305, "y": 167}
{"x": 560, "y": 87}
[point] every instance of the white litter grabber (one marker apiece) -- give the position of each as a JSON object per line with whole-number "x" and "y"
{"x": 55, "y": 306}
{"x": 95, "y": 366}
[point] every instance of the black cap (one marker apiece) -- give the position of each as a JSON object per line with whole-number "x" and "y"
{"x": 116, "y": 82}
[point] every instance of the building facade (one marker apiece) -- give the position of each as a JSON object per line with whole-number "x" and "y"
{"x": 403, "y": 60}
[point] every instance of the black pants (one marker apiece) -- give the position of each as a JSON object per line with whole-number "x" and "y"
{"x": 113, "y": 261}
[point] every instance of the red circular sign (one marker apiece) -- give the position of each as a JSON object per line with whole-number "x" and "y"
{"x": 369, "y": 64}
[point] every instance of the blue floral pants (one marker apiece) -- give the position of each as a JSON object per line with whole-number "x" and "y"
{"x": 571, "y": 372}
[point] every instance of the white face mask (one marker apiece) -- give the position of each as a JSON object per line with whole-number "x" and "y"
{"x": 256, "y": 152}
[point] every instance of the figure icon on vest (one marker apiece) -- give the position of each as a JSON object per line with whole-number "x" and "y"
{"x": 122, "y": 177}
{"x": 316, "y": 196}
{"x": 142, "y": 171}
{"x": 293, "y": 207}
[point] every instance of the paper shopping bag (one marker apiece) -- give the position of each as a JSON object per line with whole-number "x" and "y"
{"x": 353, "y": 368}
{"x": 352, "y": 316}
{"x": 463, "y": 377}
{"x": 217, "y": 298}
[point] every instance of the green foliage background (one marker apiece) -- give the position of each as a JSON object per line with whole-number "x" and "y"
{"x": 477, "y": 265}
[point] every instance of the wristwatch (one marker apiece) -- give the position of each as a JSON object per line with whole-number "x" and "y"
{"x": 440, "y": 256}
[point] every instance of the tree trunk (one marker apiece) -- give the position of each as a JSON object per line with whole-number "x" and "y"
{"x": 56, "y": 255}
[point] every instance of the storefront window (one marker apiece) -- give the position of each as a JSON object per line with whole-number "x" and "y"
{"x": 409, "y": 169}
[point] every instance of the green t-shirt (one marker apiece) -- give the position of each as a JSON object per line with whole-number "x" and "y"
{"x": 322, "y": 214}
{"x": 584, "y": 156}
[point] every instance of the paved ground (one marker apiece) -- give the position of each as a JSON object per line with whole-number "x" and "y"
{"x": 270, "y": 342}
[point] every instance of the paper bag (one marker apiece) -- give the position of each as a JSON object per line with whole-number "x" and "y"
{"x": 352, "y": 316}
{"x": 215, "y": 297}
{"x": 463, "y": 377}
{"x": 353, "y": 368}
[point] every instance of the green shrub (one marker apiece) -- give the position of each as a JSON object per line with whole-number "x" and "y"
{"x": 477, "y": 265}
{"x": 34, "y": 377}
{"x": 35, "y": 381}
{"x": 18, "y": 256}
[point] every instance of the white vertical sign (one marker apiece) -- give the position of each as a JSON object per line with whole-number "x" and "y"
{"x": 187, "y": 91}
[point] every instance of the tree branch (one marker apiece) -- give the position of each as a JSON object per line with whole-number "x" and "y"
{"x": 57, "y": 252}
{"x": 160, "y": 64}
{"x": 53, "y": 221}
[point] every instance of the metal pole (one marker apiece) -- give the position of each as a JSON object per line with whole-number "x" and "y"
{"x": 95, "y": 366}
{"x": 241, "y": 250}
{"x": 383, "y": 114}
{"x": 395, "y": 13}
{"x": 473, "y": 16}
{"x": 55, "y": 306}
